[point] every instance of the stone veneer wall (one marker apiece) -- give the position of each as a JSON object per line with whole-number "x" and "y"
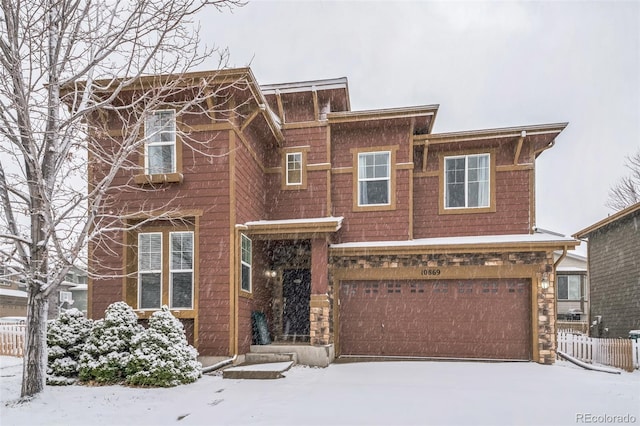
{"x": 319, "y": 318}
{"x": 546, "y": 339}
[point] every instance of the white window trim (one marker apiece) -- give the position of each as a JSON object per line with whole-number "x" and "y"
{"x": 299, "y": 154}
{"x": 466, "y": 182}
{"x": 579, "y": 284}
{"x": 151, "y": 271}
{"x": 148, "y": 144}
{"x": 388, "y": 178}
{"x": 248, "y": 264}
{"x": 171, "y": 270}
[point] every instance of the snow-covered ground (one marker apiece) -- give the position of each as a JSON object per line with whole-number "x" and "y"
{"x": 391, "y": 393}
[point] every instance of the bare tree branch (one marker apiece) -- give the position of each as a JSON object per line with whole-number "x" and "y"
{"x": 68, "y": 68}
{"x": 626, "y": 191}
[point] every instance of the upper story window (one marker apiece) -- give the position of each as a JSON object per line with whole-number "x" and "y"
{"x": 569, "y": 287}
{"x": 467, "y": 181}
{"x": 294, "y": 168}
{"x": 245, "y": 261}
{"x": 160, "y": 142}
{"x": 374, "y": 178}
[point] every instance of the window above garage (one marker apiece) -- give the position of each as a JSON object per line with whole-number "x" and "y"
{"x": 467, "y": 183}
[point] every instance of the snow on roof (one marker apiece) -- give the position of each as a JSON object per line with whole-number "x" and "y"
{"x": 469, "y": 240}
{"x": 329, "y": 219}
{"x": 78, "y": 287}
{"x": 570, "y": 269}
{"x": 12, "y": 293}
{"x": 303, "y": 86}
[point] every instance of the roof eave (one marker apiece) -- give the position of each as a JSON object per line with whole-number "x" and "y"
{"x": 608, "y": 220}
{"x": 456, "y": 248}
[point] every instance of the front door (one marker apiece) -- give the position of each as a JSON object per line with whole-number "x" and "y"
{"x": 296, "y": 292}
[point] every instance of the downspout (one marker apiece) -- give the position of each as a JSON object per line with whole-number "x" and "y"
{"x": 219, "y": 365}
{"x": 560, "y": 259}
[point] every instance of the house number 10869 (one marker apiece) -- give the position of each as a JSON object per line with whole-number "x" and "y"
{"x": 430, "y": 272}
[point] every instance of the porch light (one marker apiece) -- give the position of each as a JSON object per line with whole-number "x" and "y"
{"x": 545, "y": 280}
{"x": 270, "y": 273}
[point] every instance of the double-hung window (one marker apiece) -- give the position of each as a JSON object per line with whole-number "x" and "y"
{"x": 569, "y": 287}
{"x": 294, "y": 168}
{"x": 245, "y": 262}
{"x": 181, "y": 270}
{"x": 160, "y": 269}
{"x": 467, "y": 181}
{"x": 150, "y": 270}
{"x": 374, "y": 178}
{"x": 160, "y": 142}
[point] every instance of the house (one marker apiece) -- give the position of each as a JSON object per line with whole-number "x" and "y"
{"x": 572, "y": 292}
{"x": 355, "y": 233}
{"x": 13, "y": 294}
{"x": 72, "y": 293}
{"x": 614, "y": 273}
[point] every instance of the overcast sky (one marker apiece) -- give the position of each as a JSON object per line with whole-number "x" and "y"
{"x": 487, "y": 64}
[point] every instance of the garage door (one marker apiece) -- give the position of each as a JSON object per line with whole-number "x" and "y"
{"x": 461, "y": 319}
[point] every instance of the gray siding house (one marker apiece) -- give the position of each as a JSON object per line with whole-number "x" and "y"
{"x": 614, "y": 273}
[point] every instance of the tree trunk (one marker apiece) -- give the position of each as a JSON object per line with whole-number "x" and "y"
{"x": 34, "y": 370}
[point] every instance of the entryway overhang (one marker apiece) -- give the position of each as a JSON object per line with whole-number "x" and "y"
{"x": 294, "y": 228}
{"x": 493, "y": 243}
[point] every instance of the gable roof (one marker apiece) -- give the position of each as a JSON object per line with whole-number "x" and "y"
{"x": 609, "y": 220}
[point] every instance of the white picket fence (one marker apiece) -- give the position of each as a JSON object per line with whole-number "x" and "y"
{"x": 619, "y": 353}
{"x": 12, "y": 337}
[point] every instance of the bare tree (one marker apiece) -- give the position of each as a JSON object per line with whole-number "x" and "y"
{"x": 626, "y": 191}
{"x": 68, "y": 68}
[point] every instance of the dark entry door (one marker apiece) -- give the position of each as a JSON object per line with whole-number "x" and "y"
{"x": 296, "y": 291}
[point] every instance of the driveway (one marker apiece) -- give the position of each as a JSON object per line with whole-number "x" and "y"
{"x": 375, "y": 393}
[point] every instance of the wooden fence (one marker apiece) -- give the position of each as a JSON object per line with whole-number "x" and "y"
{"x": 12, "y": 338}
{"x": 619, "y": 353}
{"x": 572, "y": 326}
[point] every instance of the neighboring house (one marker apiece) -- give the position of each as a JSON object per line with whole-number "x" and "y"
{"x": 356, "y": 233}
{"x": 614, "y": 273}
{"x": 572, "y": 292}
{"x": 71, "y": 293}
{"x": 13, "y": 295}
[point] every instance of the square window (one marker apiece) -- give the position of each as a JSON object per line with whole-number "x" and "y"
{"x": 569, "y": 287}
{"x": 467, "y": 181}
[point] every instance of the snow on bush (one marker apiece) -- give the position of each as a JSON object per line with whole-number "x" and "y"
{"x": 107, "y": 351}
{"x": 161, "y": 355}
{"x": 66, "y": 336}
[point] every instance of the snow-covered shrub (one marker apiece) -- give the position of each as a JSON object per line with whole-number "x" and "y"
{"x": 66, "y": 336}
{"x": 107, "y": 351}
{"x": 161, "y": 356}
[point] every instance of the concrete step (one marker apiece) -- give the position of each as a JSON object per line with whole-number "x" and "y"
{"x": 270, "y": 370}
{"x": 265, "y": 357}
